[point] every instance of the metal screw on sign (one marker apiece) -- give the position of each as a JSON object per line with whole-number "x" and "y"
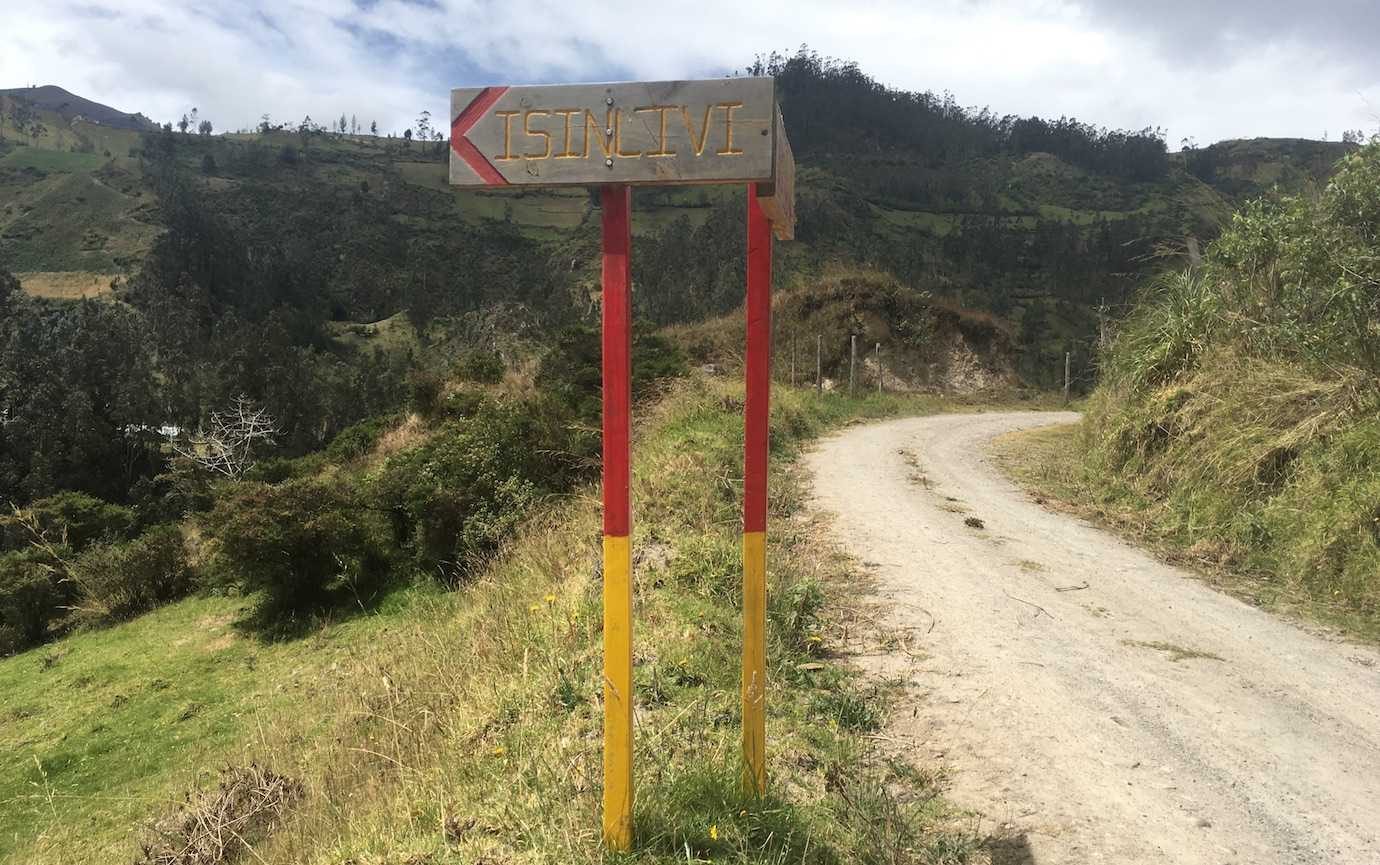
{"x": 714, "y": 131}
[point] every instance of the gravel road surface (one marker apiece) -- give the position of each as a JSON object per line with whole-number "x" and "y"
{"x": 1095, "y": 704}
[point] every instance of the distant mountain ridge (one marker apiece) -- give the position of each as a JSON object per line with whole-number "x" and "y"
{"x": 68, "y": 105}
{"x": 1049, "y": 225}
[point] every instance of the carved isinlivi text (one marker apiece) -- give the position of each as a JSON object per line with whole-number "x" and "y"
{"x": 642, "y": 132}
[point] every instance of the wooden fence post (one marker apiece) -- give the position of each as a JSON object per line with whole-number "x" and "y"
{"x": 852, "y": 361}
{"x": 819, "y": 363}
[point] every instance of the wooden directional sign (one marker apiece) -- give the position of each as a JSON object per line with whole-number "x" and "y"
{"x": 647, "y": 132}
{"x": 614, "y": 136}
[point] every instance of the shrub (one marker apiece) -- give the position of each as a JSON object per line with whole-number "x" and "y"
{"x": 119, "y": 581}
{"x": 173, "y": 495}
{"x": 304, "y": 544}
{"x": 358, "y": 439}
{"x": 454, "y": 499}
{"x": 478, "y": 365}
{"x": 424, "y": 391}
{"x": 572, "y": 370}
{"x": 33, "y": 595}
{"x": 275, "y": 470}
{"x": 74, "y": 518}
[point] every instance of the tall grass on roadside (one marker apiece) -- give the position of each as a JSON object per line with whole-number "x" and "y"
{"x": 474, "y": 734}
{"x": 1241, "y": 400}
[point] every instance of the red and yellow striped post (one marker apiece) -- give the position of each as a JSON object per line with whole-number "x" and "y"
{"x": 618, "y": 665}
{"x": 758, "y": 403}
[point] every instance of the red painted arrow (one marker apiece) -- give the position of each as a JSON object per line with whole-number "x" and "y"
{"x": 464, "y": 148}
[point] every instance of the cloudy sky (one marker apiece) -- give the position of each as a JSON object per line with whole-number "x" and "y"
{"x": 1200, "y": 69}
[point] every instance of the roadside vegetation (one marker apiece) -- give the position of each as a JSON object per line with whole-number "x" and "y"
{"x": 455, "y": 726}
{"x": 1238, "y": 420}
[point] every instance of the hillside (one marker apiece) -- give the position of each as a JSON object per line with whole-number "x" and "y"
{"x": 1236, "y": 424}
{"x": 51, "y": 99}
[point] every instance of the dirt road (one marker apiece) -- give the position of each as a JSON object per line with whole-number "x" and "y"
{"x": 1096, "y": 705}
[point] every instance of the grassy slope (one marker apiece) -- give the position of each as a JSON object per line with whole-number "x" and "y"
{"x": 68, "y": 211}
{"x": 103, "y": 728}
{"x": 479, "y": 711}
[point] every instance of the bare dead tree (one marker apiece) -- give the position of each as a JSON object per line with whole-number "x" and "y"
{"x": 235, "y": 436}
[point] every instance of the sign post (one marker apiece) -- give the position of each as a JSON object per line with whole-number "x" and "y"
{"x": 616, "y": 205}
{"x": 757, "y": 405}
{"x": 615, "y": 136}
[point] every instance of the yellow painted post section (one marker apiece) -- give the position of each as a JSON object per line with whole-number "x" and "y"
{"x": 755, "y": 661}
{"x": 618, "y": 690}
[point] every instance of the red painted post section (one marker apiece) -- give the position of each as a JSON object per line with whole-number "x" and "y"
{"x": 618, "y": 667}
{"x": 757, "y": 408}
{"x": 758, "y": 366}
{"x": 617, "y": 206}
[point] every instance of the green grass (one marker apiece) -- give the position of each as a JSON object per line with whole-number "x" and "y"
{"x": 458, "y": 727}
{"x": 52, "y": 160}
{"x": 102, "y": 729}
{"x": 394, "y": 334}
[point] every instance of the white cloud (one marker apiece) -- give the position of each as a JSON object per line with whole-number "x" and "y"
{"x": 1100, "y": 60}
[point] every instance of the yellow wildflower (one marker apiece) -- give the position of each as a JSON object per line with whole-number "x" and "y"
{"x": 714, "y": 832}
{"x": 551, "y": 599}
{"x": 534, "y": 608}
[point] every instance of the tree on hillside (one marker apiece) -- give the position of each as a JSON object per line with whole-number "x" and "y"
{"x": 342, "y": 124}
{"x": 354, "y": 125}
{"x": 183, "y": 124}
{"x": 24, "y": 119}
{"x": 204, "y": 128}
{"x": 305, "y": 130}
{"x": 265, "y": 125}
{"x": 374, "y": 128}
{"x": 78, "y": 394}
{"x": 424, "y": 126}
